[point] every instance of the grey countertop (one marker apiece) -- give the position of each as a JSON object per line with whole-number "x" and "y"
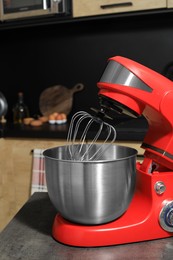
{"x": 28, "y": 236}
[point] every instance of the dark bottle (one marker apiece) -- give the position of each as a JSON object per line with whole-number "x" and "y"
{"x": 20, "y": 110}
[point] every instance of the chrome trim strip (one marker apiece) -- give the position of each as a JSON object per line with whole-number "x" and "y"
{"x": 118, "y": 74}
{"x": 166, "y": 154}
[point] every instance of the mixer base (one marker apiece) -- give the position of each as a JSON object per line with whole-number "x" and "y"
{"x": 139, "y": 223}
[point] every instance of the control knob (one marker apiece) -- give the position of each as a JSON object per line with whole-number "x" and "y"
{"x": 166, "y": 217}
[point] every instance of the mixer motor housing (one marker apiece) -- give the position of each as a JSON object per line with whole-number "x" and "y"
{"x": 128, "y": 87}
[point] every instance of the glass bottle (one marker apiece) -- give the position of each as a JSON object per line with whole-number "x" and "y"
{"x": 20, "y": 110}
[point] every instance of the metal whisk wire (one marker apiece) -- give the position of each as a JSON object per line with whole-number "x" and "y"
{"x": 72, "y": 133}
{"x": 98, "y": 154}
{"x": 76, "y": 152}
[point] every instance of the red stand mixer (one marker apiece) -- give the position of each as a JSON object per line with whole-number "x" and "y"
{"x": 131, "y": 88}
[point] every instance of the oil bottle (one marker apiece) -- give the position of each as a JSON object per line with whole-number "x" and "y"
{"x": 20, "y": 110}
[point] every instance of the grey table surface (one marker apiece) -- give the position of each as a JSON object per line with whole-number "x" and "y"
{"x": 28, "y": 236}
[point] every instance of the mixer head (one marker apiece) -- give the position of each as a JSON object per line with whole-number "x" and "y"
{"x": 129, "y": 88}
{"x": 117, "y": 74}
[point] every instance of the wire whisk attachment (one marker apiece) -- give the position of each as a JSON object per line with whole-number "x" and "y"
{"x": 84, "y": 131}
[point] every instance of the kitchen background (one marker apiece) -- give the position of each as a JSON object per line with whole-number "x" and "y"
{"x": 66, "y": 51}
{"x": 37, "y": 57}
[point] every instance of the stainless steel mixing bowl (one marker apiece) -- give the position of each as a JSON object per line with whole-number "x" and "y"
{"x": 91, "y": 192}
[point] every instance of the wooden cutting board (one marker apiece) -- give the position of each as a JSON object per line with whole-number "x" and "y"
{"x": 58, "y": 99}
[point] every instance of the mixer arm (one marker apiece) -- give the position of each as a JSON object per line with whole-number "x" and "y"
{"x": 140, "y": 90}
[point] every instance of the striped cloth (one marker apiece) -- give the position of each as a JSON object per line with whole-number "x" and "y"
{"x": 38, "y": 183}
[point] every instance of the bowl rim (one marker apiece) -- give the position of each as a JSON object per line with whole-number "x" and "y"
{"x": 90, "y": 161}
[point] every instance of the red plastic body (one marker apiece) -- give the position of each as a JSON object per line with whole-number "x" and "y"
{"x": 156, "y": 106}
{"x": 139, "y": 223}
{"x": 141, "y": 220}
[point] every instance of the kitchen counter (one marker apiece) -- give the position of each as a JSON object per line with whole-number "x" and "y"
{"x": 28, "y": 236}
{"x": 133, "y": 130}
